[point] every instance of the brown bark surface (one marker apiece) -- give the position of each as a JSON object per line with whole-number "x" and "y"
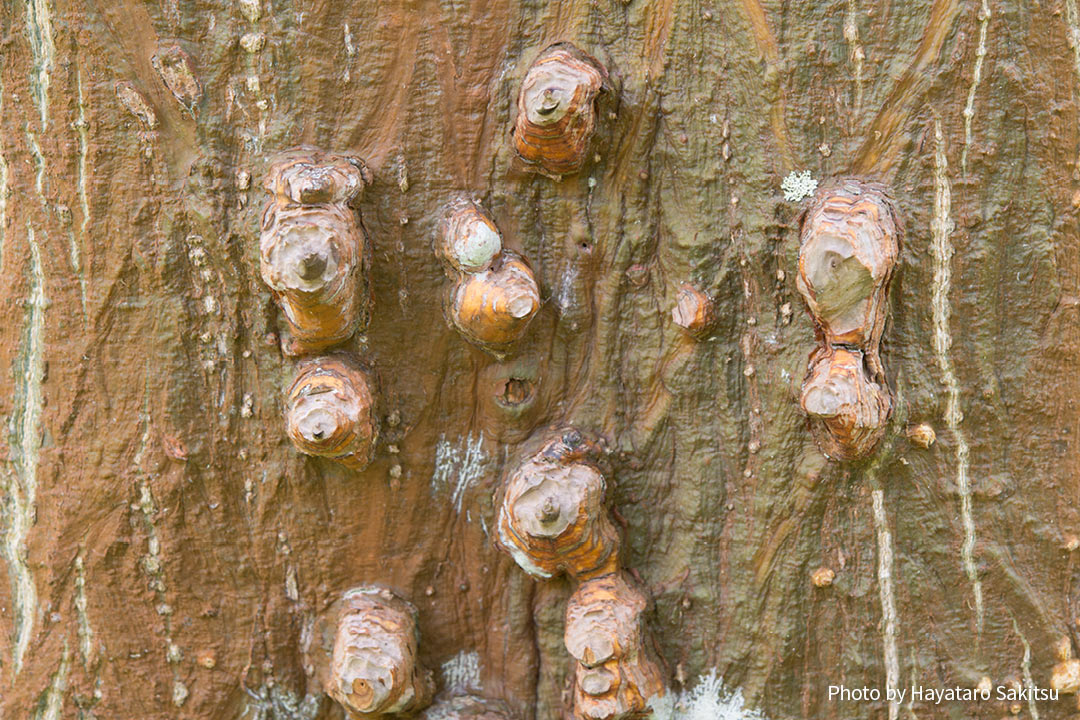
{"x": 165, "y": 547}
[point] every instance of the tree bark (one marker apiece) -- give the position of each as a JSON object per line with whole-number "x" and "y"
{"x": 165, "y": 546}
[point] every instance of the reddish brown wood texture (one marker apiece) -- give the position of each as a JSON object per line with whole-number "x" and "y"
{"x": 164, "y": 546}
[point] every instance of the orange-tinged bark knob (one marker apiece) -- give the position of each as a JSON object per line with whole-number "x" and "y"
{"x": 557, "y": 110}
{"x": 363, "y": 652}
{"x": 615, "y": 676}
{"x": 850, "y": 410}
{"x": 849, "y": 245}
{"x": 307, "y": 176}
{"x": 314, "y": 252}
{"x": 492, "y": 309}
{"x": 330, "y": 412}
{"x": 694, "y": 311}
{"x": 850, "y": 241}
{"x": 553, "y": 519}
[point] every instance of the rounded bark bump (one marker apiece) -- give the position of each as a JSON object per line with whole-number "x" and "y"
{"x": 492, "y": 309}
{"x": 363, "y": 652}
{"x": 553, "y": 519}
{"x": 694, "y": 311}
{"x": 330, "y": 411}
{"x": 557, "y": 110}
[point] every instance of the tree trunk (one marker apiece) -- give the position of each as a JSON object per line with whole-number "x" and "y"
{"x": 165, "y": 545}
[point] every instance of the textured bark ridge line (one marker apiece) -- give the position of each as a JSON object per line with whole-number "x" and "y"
{"x": 941, "y": 229}
{"x": 770, "y": 51}
{"x": 1072, "y": 17}
{"x": 890, "y": 625}
{"x": 152, "y": 565}
{"x": 24, "y": 447}
{"x": 976, "y": 78}
{"x": 880, "y": 152}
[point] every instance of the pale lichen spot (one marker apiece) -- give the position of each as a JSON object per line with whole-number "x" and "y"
{"x": 798, "y": 185}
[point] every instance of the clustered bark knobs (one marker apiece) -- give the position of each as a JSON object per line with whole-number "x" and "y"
{"x": 553, "y": 520}
{"x": 314, "y": 252}
{"x": 316, "y": 258}
{"x": 494, "y": 295}
{"x": 616, "y": 675}
{"x": 849, "y": 244}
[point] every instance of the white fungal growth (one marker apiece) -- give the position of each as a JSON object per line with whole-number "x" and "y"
{"x": 462, "y": 672}
{"x": 458, "y": 465}
{"x": 797, "y": 186}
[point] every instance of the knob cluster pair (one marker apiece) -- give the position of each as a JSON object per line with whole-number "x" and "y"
{"x": 849, "y": 244}
{"x": 553, "y": 521}
{"x": 316, "y": 258}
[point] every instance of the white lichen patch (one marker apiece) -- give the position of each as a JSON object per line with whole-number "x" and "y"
{"x": 458, "y": 465}
{"x": 3, "y": 190}
{"x": 941, "y": 228}
{"x": 462, "y": 672}
{"x": 707, "y": 700}
{"x": 889, "y": 620}
{"x": 179, "y": 693}
{"x": 253, "y": 42}
{"x": 798, "y": 185}
{"x": 274, "y": 702}
{"x": 39, "y": 33}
